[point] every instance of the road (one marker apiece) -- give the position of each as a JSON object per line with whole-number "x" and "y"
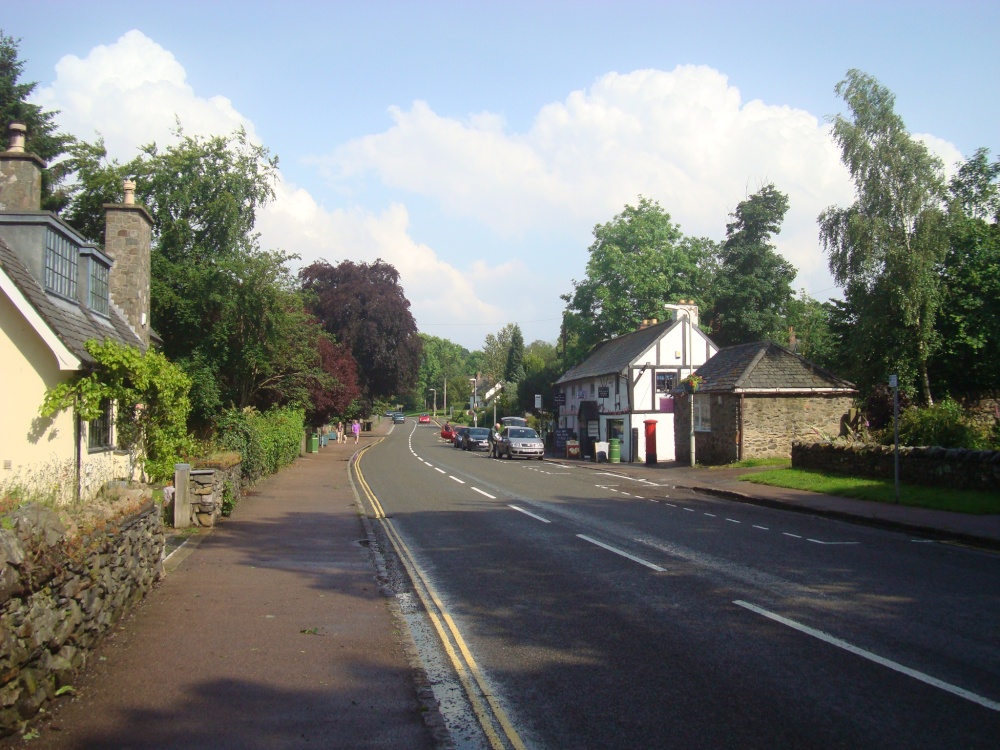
{"x": 598, "y": 611}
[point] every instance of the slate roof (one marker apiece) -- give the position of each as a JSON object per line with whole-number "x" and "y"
{"x": 615, "y": 355}
{"x": 72, "y": 322}
{"x": 766, "y": 366}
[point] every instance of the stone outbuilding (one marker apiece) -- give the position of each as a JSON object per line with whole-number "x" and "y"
{"x": 754, "y": 400}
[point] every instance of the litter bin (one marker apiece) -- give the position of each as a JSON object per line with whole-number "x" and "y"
{"x": 313, "y": 443}
{"x": 615, "y": 451}
{"x": 367, "y": 426}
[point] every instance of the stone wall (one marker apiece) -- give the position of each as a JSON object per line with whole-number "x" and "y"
{"x": 933, "y": 467}
{"x": 60, "y": 594}
{"x": 210, "y": 485}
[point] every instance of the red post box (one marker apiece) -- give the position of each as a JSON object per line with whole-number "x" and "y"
{"x": 650, "y": 440}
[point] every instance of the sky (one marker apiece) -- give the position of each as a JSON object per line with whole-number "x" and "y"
{"x": 476, "y": 145}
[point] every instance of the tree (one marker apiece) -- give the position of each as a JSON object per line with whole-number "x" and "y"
{"x": 443, "y": 361}
{"x": 229, "y": 313}
{"x": 753, "y": 285}
{"x": 968, "y": 363}
{"x": 42, "y": 136}
{"x": 365, "y": 308}
{"x": 638, "y": 261}
{"x": 807, "y": 331}
{"x": 335, "y": 386}
{"x": 514, "y": 369}
{"x": 884, "y": 248}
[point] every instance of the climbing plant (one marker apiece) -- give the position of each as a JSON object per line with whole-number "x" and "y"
{"x": 150, "y": 395}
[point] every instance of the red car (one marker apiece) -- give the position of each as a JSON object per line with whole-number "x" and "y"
{"x": 424, "y": 419}
{"x": 448, "y": 432}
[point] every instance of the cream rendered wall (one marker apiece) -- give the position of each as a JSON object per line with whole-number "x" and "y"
{"x": 40, "y": 453}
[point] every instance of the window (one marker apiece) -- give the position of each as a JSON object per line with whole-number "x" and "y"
{"x": 60, "y": 264}
{"x": 703, "y": 413}
{"x": 98, "y": 287}
{"x": 665, "y": 381}
{"x": 99, "y": 430}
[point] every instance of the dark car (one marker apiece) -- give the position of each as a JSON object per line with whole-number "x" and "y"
{"x": 476, "y": 439}
{"x": 520, "y": 442}
{"x": 460, "y": 436}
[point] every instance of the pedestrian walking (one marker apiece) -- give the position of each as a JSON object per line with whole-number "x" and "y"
{"x": 356, "y": 429}
{"x": 340, "y": 432}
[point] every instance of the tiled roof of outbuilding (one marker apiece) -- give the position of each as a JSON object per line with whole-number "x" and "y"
{"x": 615, "y": 355}
{"x": 73, "y": 323}
{"x": 765, "y": 366}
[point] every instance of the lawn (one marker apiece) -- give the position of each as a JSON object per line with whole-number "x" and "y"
{"x": 879, "y": 490}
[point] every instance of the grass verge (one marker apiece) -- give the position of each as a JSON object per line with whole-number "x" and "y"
{"x": 879, "y": 490}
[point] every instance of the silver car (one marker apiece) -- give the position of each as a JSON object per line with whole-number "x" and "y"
{"x": 520, "y": 442}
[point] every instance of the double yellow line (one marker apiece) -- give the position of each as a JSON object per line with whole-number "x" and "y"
{"x": 491, "y": 716}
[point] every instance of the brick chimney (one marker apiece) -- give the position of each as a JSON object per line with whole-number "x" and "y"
{"x": 127, "y": 240}
{"x": 20, "y": 175}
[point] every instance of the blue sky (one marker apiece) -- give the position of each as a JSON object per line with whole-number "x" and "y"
{"x": 475, "y": 145}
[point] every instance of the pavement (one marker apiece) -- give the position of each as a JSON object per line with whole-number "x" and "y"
{"x": 275, "y": 629}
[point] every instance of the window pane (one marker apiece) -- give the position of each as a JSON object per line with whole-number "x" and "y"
{"x": 98, "y": 286}
{"x": 60, "y": 264}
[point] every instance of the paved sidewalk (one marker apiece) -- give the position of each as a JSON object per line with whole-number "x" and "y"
{"x": 271, "y": 633}
{"x": 982, "y": 531}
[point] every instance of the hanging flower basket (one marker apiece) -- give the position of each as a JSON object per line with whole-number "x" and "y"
{"x": 692, "y": 383}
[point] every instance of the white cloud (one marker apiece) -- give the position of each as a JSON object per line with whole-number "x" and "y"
{"x": 683, "y": 137}
{"x": 133, "y": 92}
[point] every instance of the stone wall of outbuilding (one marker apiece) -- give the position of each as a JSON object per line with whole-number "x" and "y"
{"x": 61, "y": 593}
{"x": 770, "y": 424}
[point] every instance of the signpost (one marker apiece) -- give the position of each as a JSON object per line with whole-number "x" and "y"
{"x": 894, "y": 384}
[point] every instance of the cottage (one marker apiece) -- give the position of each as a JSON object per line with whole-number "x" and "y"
{"x": 755, "y": 399}
{"x": 57, "y": 291}
{"x": 629, "y": 381}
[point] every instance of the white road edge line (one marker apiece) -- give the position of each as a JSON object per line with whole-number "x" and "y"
{"x": 825, "y": 637}
{"x": 438, "y": 470}
{"x": 487, "y": 494}
{"x": 456, "y": 479}
{"x": 529, "y": 513}
{"x": 793, "y": 536}
{"x": 633, "y": 558}
{"x": 762, "y": 528}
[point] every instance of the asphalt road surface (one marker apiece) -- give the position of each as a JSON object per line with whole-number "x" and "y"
{"x": 606, "y": 612}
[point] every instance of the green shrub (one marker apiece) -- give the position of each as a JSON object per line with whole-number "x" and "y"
{"x": 266, "y": 441}
{"x": 944, "y": 424}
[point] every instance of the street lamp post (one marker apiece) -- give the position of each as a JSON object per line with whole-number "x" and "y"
{"x": 690, "y": 364}
{"x": 434, "y": 411}
{"x": 475, "y": 416}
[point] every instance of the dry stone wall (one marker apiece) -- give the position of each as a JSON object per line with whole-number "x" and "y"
{"x": 60, "y": 594}
{"x": 931, "y": 467}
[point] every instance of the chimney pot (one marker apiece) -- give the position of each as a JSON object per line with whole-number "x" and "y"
{"x": 129, "y": 186}
{"x": 17, "y": 131}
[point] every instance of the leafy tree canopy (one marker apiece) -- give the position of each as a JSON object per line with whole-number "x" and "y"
{"x": 753, "y": 286}
{"x": 638, "y": 261}
{"x": 885, "y": 247}
{"x": 365, "y": 308}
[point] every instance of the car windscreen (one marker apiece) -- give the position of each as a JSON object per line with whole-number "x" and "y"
{"x": 479, "y": 433}
{"x": 522, "y": 432}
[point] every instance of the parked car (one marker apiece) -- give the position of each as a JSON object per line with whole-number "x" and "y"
{"x": 424, "y": 419}
{"x": 448, "y": 432}
{"x": 476, "y": 439}
{"x": 520, "y": 442}
{"x": 460, "y": 436}
{"x": 398, "y": 417}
